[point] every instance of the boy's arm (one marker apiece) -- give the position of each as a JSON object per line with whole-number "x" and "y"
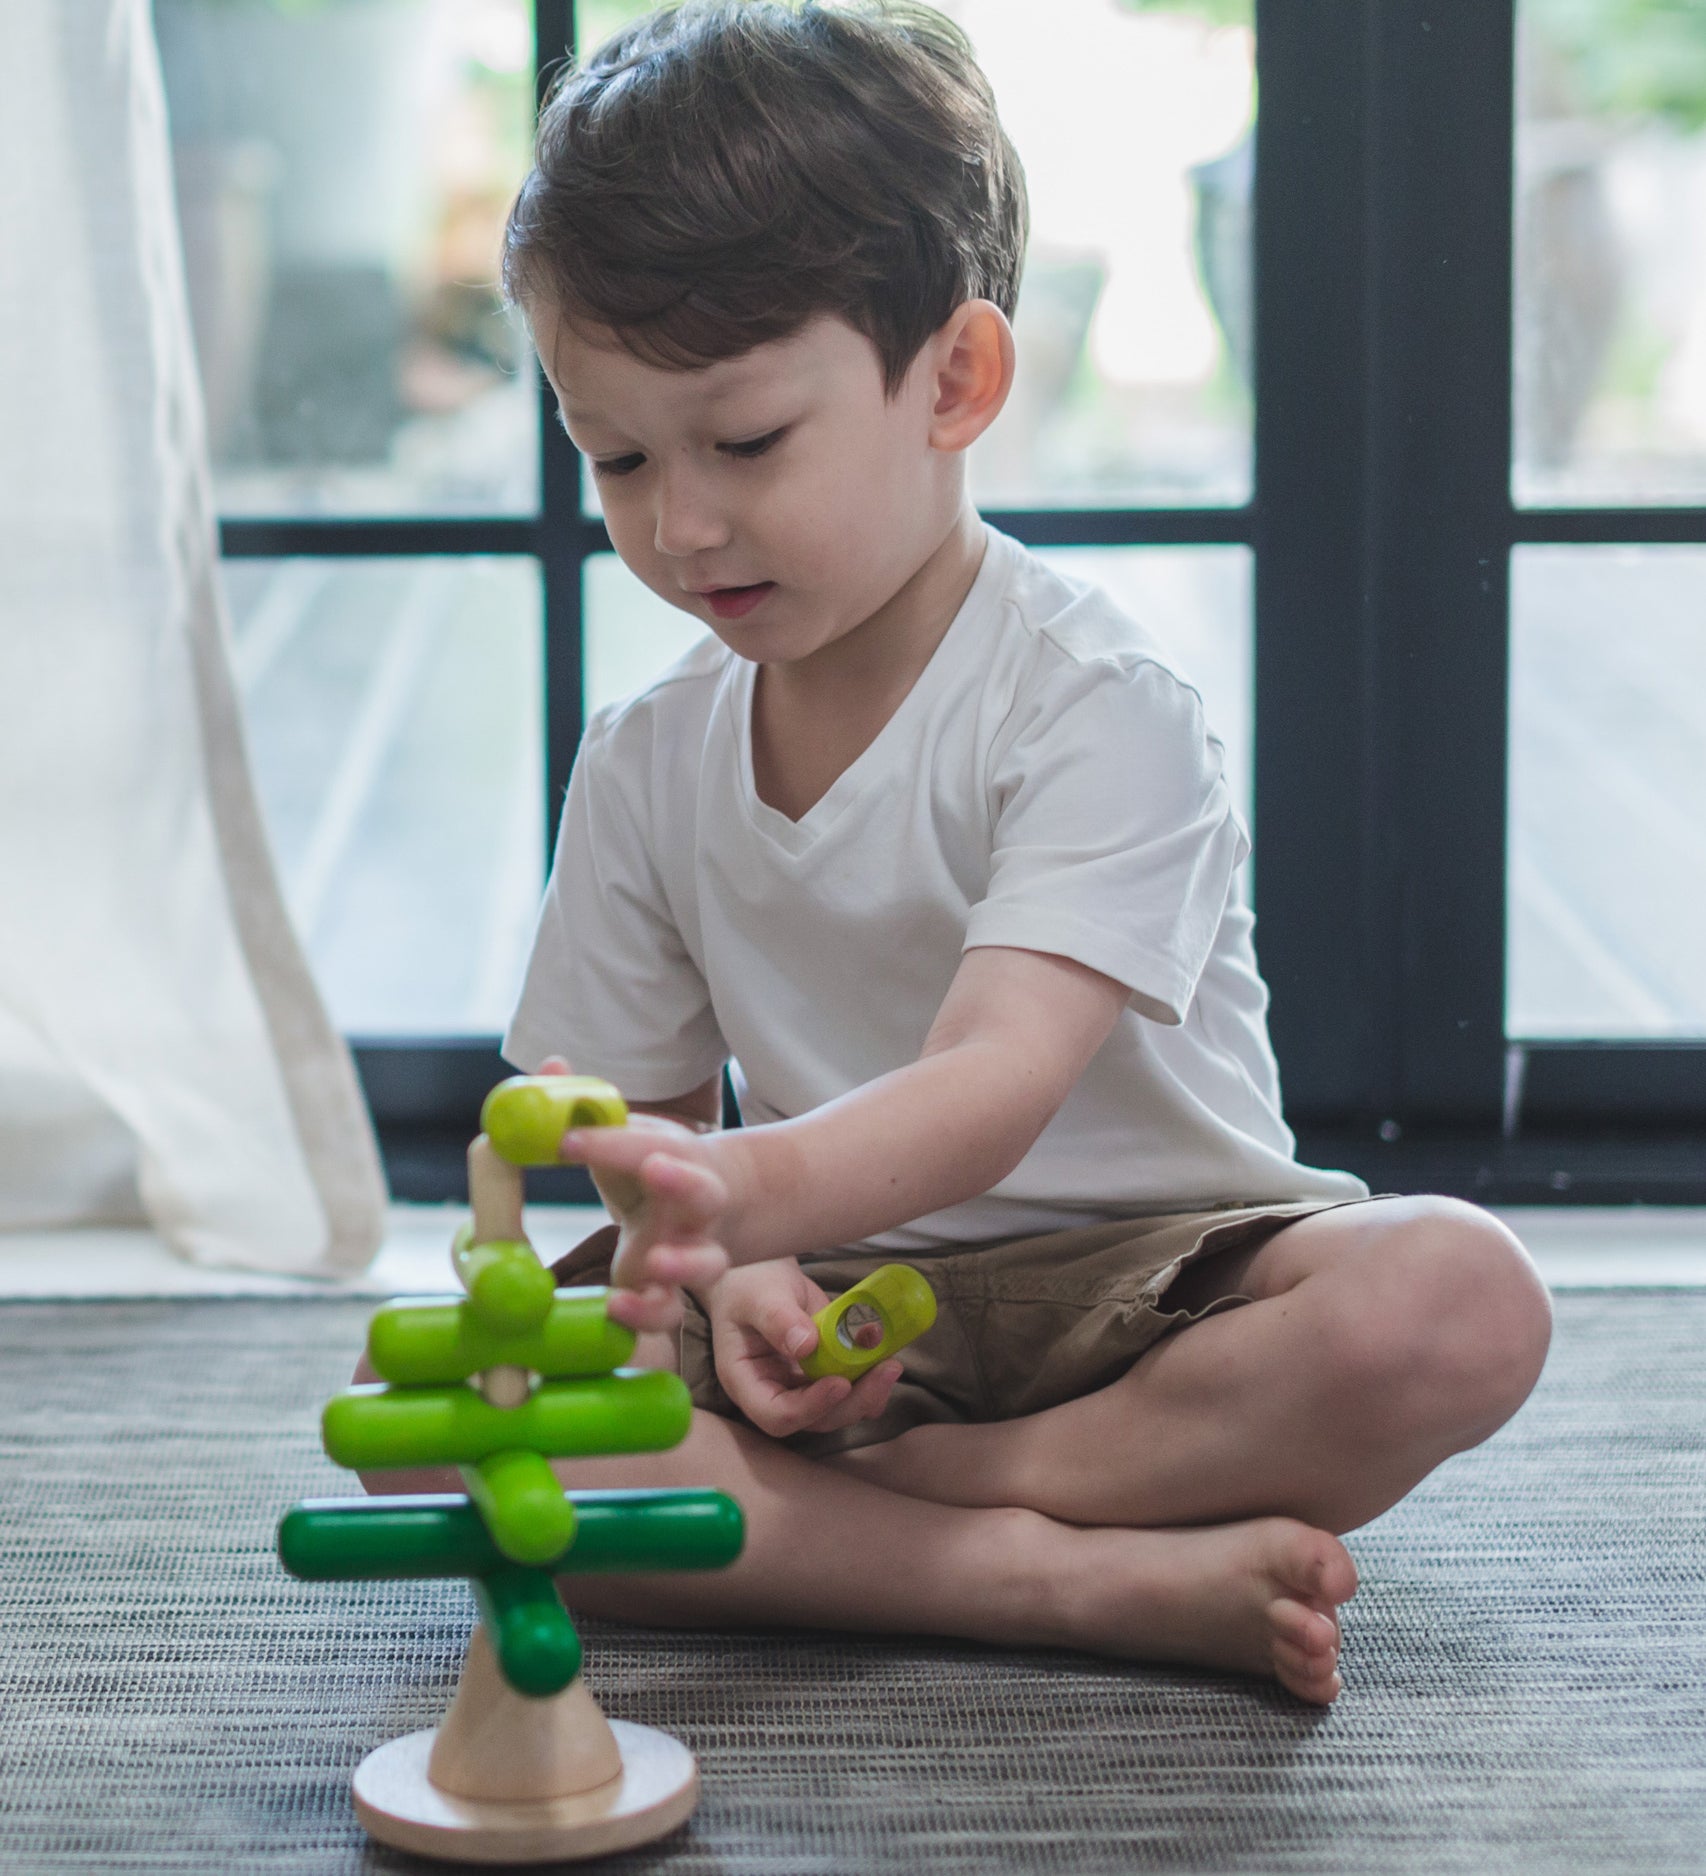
{"x": 1014, "y": 1033}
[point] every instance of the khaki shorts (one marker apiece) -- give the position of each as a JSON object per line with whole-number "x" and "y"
{"x": 1021, "y": 1324}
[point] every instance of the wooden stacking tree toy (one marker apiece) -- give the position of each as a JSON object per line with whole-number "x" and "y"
{"x": 525, "y": 1767}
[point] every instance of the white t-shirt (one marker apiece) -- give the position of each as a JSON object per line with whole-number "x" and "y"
{"x": 1049, "y": 783}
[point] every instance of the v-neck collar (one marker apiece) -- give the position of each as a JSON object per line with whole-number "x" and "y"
{"x": 796, "y": 836}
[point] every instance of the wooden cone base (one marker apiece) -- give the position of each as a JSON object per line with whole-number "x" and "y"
{"x": 400, "y": 1806}
{"x": 507, "y": 1779}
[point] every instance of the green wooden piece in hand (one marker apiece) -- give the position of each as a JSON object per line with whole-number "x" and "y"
{"x": 441, "y": 1534}
{"x": 416, "y": 1342}
{"x": 526, "y": 1117}
{"x": 900, "y": 1300}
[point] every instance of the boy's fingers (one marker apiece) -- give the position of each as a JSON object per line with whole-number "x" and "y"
{"x": 622, "y": 1196}
{"x": 637, "y": 1305}
{"x": 655, "y": 1124}
{"x": 851, "y": 1411}
{"x": 618, "y": 1154}
{"x": 795, "y": 1410}
{"x": 787, "y": 1328}
{"x": 621, "y": 1149}
{"x": 657, "y": 1262}
{"x": 674, "y": 1264}
{"x": 871, "y": 1392}
{"x": 646, "y": 1311}
{"x": 692, "y": 1191}
{"x": 695, "y": 1268}
{"x": 555, "y": 1065}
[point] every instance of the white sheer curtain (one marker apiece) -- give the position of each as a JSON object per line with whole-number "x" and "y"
{"x": 164, "y": 1055}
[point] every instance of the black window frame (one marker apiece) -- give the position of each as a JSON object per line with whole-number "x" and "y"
{"x": 1382, "y": 528}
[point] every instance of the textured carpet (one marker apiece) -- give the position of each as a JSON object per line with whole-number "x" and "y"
{"x": 1525, "y": 1663}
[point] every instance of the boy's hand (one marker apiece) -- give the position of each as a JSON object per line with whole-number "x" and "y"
{"x": 761, "y": 1324}
{"x": 666, "y": 1203}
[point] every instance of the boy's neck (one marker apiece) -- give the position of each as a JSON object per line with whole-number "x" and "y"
{"x": 814, "y": 717}
{"x": 883, "y": 657}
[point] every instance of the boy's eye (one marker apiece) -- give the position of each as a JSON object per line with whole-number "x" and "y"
{"x": 757, "y": 447}
{"x": 742, "y": 451}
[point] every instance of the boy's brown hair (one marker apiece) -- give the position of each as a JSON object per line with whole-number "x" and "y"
{"x": 722, "y": 171}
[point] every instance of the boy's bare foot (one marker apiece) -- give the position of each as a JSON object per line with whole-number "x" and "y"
{"x": 1257, "y": 1598}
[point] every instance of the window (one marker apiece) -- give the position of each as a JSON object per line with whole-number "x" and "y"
{"x": 1335, "y": 391}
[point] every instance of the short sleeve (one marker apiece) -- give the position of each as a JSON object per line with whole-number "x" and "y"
{"x": 1114, "y": 837}
{"x": 610, "y": 983}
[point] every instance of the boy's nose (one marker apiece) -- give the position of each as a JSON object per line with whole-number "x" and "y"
{"x": 689, "y": 518}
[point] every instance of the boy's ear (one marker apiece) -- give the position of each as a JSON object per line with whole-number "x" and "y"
{"x": 974, "y": 359}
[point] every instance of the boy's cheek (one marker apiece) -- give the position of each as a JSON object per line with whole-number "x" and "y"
{"x": 640, "y": 557}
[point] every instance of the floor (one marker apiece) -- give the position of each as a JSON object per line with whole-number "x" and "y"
{"x": 1576, "y": 1247}
{"x": 1525, "y": 1659}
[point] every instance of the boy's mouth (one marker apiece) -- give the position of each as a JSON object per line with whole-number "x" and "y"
{"x": 732, "y": 602}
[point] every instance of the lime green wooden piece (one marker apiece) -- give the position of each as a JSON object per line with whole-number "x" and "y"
{"x": 905, "y": 1306}
{"x": 417, "y": 1342}
{"x": 523, "y": 1506}
{"x": 509, "y": 1290}
{"x": 535, "y": 1642}
{"x": 631, "y": 1411}
{"x": 526, "y": 1117}
{"x": 441, "y": 1534}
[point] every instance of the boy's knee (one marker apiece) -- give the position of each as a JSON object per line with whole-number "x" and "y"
{"x": 1459, "y": 1322}
{"x": 1493, "y": 1300}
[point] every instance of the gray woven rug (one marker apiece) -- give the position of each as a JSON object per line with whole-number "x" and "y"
{"x": 1526, "y": 1661}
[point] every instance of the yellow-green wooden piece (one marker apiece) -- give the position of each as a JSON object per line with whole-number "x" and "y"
{"x": 522, "y": 1505}
{"x": 429, "y": 1340}
{"x": 526, "y": 1117}
{"x": 905, "y": 1306}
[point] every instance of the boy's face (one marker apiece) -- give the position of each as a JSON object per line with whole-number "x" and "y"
{"x": 778, "y": 496}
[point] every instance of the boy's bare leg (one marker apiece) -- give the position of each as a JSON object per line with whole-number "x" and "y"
{"x": 1382, "y": 1339}
{"x": 826, "y": 1550}
{"x": 1234, "y": 1448}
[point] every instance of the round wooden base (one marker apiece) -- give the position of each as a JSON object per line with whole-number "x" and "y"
{"x": 657, "y": 1790}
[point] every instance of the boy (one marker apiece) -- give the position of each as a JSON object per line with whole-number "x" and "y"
{"x": 933, "y": 846}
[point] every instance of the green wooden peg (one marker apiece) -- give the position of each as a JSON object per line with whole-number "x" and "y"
{"x": 526, "y": 1117}
{"x": 441, "y": 1534}
{"x": 409, "y": 1535}
{"x": 904, "y": 1305}
{"x": 523, "y": 1506}
{"x": 435, "y": 1340}
{"x": 509, "y": 1290}
{"x": 631, "y": 1411}
{"x": 532, "y": 1636}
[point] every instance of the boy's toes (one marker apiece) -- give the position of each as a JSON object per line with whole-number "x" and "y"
{"x": 1306, "y": 1630}
{"x": 1305, "y": 1645}
{"x": 1333, "y": 1570}
{"x": 1314, "y": 1567}
{"x": 1308, "y": 1676}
